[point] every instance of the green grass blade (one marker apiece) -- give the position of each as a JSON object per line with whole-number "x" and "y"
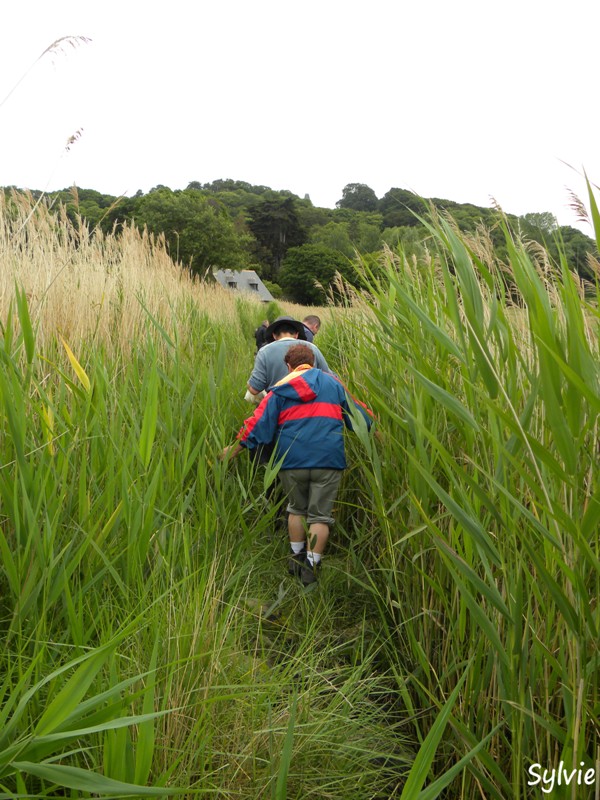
{"x": 594, "y": 209}
{"x": 150, "y": 418}
{"x": 434, "y": 789}
{"x": 70, "y": 695}
{"x": 146, "y": 733}
{"x": 82, "y": 780}
{"x": 424, "y": 758}
{"x": 286, "y": 754}
{"x": 26, "y": 326}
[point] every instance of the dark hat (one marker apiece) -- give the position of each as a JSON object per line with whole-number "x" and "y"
{"x": 288, "y": 322}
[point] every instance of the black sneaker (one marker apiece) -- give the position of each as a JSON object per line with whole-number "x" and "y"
{"x": 296, "y": 563}
{"x": 309, "y": 573}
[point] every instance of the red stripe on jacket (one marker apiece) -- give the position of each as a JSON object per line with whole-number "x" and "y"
{"x": 307, "y": 410}
{"x": 249, "y": 423}
{"x": 304, "y": 390}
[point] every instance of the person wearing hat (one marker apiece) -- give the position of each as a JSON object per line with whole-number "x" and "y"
{"x": 269, "y": 363}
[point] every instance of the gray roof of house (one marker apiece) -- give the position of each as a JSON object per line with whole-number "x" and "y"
{"x": 245, "y": 280}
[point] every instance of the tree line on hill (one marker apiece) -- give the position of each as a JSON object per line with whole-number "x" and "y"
{"x": 290, "y": 242}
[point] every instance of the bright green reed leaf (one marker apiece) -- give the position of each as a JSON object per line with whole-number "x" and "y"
{"x": 85, "y": 781}
{"x": 490, "y": 592}
{"x": 450, "y": 403}
{"x": 424, "y": 759}
{"x": 70, "y": 695}
{"x": 591, "y": 517}
{"x": 11, "y": 397}
{"x": 472, "y": 301}
{"x": 463, "y": 515}
{"x": 436, "y": 331}
{"x": 43, "y": 746}
{"x": 148, "y": 431}
{"x": 7, "y": 330}
{"x": 146, "y": 733}
{"x": 555, "y": 591}
{"x": 594, "y": 210}
{"x": 488, "y": 626}
{"x": 10, "y": 565}
{"x": 434, "y": 789}
{"x": 156, "y": 322}
{"x": 14, "y": 706}
{"x": 286, "y": 754}
{"x": 26, "y": 327}
{"x": 584, "y": 383}
{"x": 558, "y": 424}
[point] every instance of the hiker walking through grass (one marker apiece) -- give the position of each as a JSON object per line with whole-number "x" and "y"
{"x": 269, "y": 364}
{"x": 260, "y": 334}
{"x": 304, "y": 415}
{"x": 311, "y": 324}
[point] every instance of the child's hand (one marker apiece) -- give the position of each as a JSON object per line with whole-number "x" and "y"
{"x": 230, "y": 451}
{"x": 225, "y": 452}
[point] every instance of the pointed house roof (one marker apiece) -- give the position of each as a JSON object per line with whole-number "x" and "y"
{"x": 245, "y": 280}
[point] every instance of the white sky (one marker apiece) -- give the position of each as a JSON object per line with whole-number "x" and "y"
{"x": 467, "y": 100}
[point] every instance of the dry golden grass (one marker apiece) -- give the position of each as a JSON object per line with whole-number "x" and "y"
{"x": 93, "y": 286}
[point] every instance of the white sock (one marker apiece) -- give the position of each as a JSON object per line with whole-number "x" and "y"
{"x": 313, "y": 558}
{"x": 297, "y": 547}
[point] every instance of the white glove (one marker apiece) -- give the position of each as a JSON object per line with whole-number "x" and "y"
{"x": 254, "y": 398}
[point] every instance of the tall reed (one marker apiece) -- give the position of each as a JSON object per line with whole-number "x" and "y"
{"x": 481, "y": 507}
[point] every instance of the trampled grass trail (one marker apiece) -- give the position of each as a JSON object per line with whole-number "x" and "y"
{"x": 153, "y": 643}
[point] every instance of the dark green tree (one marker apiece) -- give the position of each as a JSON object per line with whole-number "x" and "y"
{"x": 359, "y": 197}
{"x": 335, "y": 236}
{"x": 351, "y": 232}
{"x": 398, "y": 208}
{"x": 312, "y": 216}
{"x": 544, "y": 221}
{"x": 198, "y": 230}
{"x": 276, "y": 227}
{"x": 120, "y": 213}
{"x": 577, "y": 248}
{"x": 87, "y": 205}
{"x": 410, "y": 240}
{"x": 308, "y": 272}
{"x": 229, "y": 185}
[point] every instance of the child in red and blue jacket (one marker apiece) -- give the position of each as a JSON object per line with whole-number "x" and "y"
{"x": 304, "y": 415}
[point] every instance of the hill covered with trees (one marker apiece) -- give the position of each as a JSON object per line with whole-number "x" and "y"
{"x": 290, "y": 242}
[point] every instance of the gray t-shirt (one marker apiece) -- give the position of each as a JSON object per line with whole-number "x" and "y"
{"x": 269, "y": 366}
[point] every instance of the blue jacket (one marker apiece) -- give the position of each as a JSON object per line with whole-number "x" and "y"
{"x": 305, "y": 417}
{"x": 308, "y": 333}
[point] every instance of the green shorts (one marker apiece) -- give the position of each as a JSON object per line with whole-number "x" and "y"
{"x": 311, "y": 492}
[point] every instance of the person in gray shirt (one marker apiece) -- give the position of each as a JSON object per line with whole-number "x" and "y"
{"x": 269, "y": 364}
